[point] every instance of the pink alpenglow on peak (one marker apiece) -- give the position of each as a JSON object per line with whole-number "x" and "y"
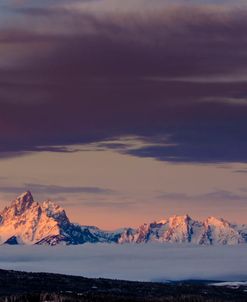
{"x": 23, "y": 202}
{"x": 26, "y": 221}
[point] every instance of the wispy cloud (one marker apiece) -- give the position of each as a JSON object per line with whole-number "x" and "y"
{"x": 217, "y": 195}
{"x": 107, "y": 204}
{"x": 240, "y": 171}
{"x": 55, "y": 189}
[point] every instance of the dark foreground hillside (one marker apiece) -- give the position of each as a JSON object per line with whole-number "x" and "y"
{"x": 21, "y": 286}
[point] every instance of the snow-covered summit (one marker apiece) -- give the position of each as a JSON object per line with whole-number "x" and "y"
{"x": 23, "y": 202}
{"x": 26, "y": 221}
{"x": 55, "y": 211}
{"x": 183, "y": 229}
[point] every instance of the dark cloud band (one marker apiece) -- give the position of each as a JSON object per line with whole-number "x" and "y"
{"x": 175, "y": 75}
{"x": 54, "y": 189}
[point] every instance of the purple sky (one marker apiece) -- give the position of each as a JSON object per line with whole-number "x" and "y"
{"x": 107, "y": 105}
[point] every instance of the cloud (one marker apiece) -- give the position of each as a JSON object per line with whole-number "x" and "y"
{"x": 92, "y": 74}
{"x": 217, "y": 195}
{"x": 240, "y": 171}
{"x": 230, "y": 101}
{"x": 143, "y": 262}
{"x": 54, "y": 189}
{"x": 107, "y": 204}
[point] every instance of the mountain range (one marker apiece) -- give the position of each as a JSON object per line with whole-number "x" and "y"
{"x": 26, "y": 221}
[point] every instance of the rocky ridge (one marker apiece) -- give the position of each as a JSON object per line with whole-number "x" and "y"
{"x": 26, "y": 221}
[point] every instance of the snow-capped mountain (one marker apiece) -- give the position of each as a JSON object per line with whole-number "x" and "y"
{"x": 26, "y": 221}
{"x": 183, "y": 229}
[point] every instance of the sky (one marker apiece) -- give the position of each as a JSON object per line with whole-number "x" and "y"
{"x": 125, "y": 112}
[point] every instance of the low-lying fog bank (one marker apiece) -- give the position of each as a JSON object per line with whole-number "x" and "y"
{"x": 146, "y": 262}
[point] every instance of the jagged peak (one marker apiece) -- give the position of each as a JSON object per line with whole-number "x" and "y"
{"x": 179, "y": 219}
{"x": 55, "y": 211}
{"x": 216, "y": 221}
{"x": 162, "y": 221}
{"x": 27, "y": 221}
{"x": 23, "y": 202}
{"x": 52, "y": 206}
{"x": 26, "y": 197}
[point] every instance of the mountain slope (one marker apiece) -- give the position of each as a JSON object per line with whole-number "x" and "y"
{"x": 45, "y": 223}
{"x": 183, "y": 229}
{"x": 26, "y": 221}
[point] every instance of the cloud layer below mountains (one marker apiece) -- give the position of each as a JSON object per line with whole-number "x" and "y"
{"x": 172, "y": 74}
{"x": 149, "y": 262}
